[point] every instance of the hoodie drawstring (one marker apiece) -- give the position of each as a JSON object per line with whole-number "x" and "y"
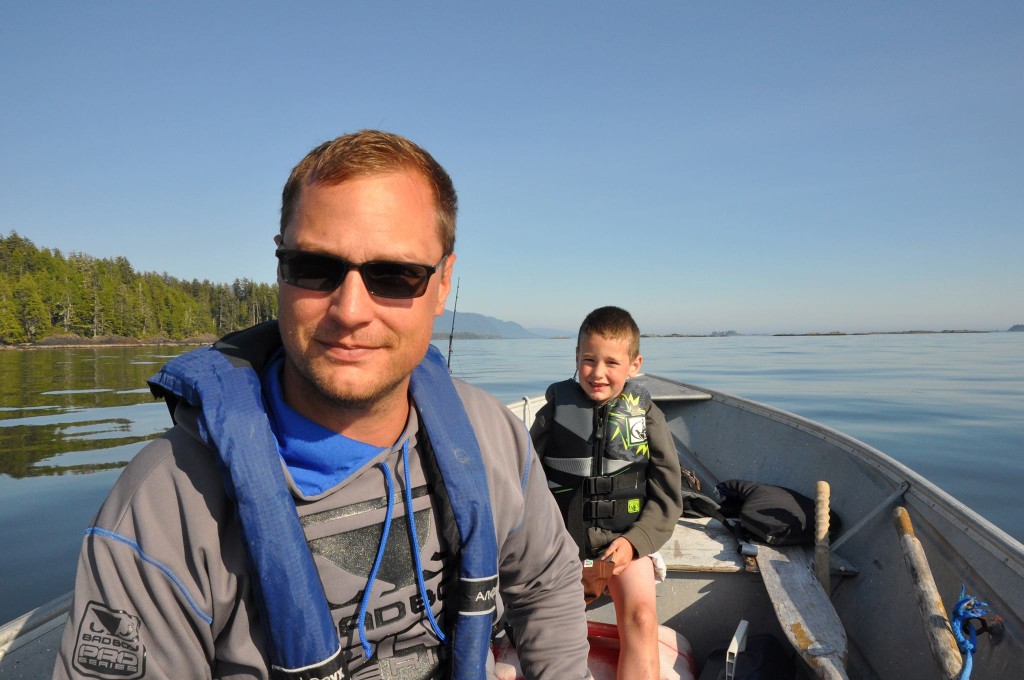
{"x": 411, "y": 522}
{"x": 418, "y": 565}
{"x": 367, "y": 650}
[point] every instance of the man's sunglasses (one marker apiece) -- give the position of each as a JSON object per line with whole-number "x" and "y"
{"x": 382, "y": 278}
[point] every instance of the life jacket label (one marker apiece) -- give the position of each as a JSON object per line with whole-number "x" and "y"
{"x": 331, "y": 669}
{"x": 637, "y": 428}
{"x": 478, "y": 596}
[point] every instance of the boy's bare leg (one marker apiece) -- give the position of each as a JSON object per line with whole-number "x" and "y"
{"x": 633, "y": 594}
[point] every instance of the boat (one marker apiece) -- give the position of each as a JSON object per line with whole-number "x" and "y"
{"x": 874, "y": 605}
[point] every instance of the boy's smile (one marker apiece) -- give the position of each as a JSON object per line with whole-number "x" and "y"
{"x": 604, "y": 366}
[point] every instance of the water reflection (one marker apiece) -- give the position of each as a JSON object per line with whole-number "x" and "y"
{"x": 74, "y": 411}
{"x": 24, "y": 446}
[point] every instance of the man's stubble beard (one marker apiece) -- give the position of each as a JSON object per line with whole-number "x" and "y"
{"x": 326, "y": 394}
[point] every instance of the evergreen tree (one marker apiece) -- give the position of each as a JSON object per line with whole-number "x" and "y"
{"x": 42, "y": 292}
{"x": 32, "y": 313}
{"x": 10, "y": 328}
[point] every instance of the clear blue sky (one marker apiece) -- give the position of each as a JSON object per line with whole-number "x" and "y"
{"x": 762, "y": 167}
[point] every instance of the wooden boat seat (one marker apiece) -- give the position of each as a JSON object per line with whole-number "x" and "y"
{"x": 701, "y": 545}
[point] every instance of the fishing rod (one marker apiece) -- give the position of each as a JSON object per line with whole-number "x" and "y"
{"x": 451, "y": 335}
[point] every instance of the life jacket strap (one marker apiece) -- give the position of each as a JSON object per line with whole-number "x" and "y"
{"x": 610, "y": 509}
{"x": 458, "y": 457}
{"x": 229, "y": 396}
{"x": 598, "y": 486}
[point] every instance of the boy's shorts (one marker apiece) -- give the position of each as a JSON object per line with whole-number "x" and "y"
{"x": 660, "y": 570}
{"x": 596, "y": 574}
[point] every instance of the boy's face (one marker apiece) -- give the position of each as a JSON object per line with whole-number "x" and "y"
{"x": 604, "y": 366}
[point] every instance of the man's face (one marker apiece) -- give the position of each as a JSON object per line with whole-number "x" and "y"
{"x": 604, "y": 366}
{"x": 345, "y": 348}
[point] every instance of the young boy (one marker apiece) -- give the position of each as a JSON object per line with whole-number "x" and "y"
{"x": 613, "y": 469}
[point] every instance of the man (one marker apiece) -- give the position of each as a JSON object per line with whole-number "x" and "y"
{"x": 329, "y": 503}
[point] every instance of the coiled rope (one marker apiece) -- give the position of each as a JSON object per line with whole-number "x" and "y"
{"x": 968, "y": 608}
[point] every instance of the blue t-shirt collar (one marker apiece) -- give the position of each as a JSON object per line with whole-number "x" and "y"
{"x": 318, "y": 459}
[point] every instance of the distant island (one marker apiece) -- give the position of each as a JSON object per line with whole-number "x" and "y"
{"x": 480, "y": 327}
{"x": 801, "y": 335}
{"x": 712, "y": 334}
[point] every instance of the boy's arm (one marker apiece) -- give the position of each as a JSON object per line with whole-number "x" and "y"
{"x": 664, "y": 496}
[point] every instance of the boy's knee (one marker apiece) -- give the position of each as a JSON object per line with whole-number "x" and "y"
{"x": 644, "y": 619}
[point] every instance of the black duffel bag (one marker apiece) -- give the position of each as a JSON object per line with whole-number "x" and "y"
{"x": 772, "y": 514}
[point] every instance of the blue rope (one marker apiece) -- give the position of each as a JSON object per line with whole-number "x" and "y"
{"x": 367, "y": 650}
{"x": 967, "y": 608}
{"x": 415, "y": 544}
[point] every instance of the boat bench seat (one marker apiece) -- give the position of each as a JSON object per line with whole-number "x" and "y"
{"x": 702, "y": 545}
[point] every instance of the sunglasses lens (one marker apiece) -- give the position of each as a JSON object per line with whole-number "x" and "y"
{"x": 395, "y": 279}
{"x": 311, "y": 271}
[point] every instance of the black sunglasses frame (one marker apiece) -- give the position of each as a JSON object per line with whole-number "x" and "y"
{"x": 375, "y": 280}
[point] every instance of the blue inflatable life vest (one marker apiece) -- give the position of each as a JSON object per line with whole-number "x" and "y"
{"x": 303, "y": 642}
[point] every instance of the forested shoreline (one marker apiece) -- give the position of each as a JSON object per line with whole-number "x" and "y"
{"x": 46, "y": 295}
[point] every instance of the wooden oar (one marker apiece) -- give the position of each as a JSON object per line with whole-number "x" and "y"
{"x": 803, "y": 609}
{"x": 929, "y": 602}
{"x": 798, "y": 588}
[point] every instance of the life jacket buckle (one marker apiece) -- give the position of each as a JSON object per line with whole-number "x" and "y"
{"x": 599, "y": 509}
{"x": 595, "y": 486}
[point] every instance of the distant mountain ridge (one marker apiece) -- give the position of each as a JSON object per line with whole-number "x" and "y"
{"x": 471, "y": 325}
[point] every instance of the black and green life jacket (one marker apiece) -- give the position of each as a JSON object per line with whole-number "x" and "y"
{"x": 596, "y": 459}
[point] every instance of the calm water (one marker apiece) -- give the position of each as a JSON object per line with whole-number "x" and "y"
{"x": 950, "y": 406}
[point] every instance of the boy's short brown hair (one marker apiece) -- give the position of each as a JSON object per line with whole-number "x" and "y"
{"x": 612, "y": 322}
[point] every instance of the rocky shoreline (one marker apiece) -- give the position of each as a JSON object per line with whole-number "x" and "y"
{"x": 78, "y": 342}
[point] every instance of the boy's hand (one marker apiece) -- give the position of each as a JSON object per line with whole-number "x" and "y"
{"x": 620, "y": 553}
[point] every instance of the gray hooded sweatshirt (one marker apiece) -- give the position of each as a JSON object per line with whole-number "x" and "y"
{"x": 164, "y": 588}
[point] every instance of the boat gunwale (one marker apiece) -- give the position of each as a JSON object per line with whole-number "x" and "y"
{"x": 996, "y": 541}
{"x": 18, "y": 631}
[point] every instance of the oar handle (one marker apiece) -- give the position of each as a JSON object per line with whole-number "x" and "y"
{"x": 822, "y": 568}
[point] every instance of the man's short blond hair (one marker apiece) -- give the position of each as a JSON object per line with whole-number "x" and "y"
{"x": 367, "y": 153}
